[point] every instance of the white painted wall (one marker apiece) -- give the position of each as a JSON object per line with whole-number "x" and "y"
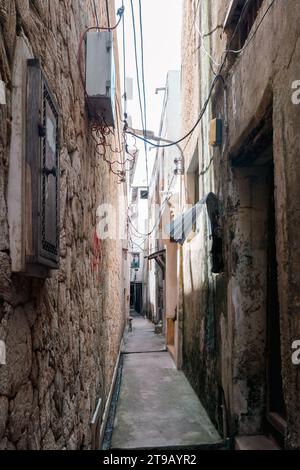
{"x": 139, "y": 218}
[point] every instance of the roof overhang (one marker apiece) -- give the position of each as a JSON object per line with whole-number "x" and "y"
{"x": 180, "y": 228}
{"x": 159, "y": 257}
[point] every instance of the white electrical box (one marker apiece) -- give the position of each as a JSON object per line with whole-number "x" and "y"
{"x": 129, "y": 88}
{"x": 100, "y": 76}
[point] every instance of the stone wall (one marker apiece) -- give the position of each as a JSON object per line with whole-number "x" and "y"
{"x": 231, "y": 308}
{"x": 200, "y": 287}
{"x": 62, "y": 334}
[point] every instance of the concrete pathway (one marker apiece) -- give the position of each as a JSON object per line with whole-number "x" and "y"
{"x": 157, "y": 406}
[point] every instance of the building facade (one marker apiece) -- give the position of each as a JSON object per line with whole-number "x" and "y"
{"x": 240, "y": 62}
{"x": 165, "y": 201}
{"x": 138, "y": 216}
{"x": 60, "y": 330}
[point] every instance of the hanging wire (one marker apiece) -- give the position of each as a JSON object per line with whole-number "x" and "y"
{"x": 215, "y": 80}
{"x": 124, "y": 65}
{"x": 96, "y": 13}
{"x": 162, "y": 208}
{"x": 107, "y": 14}
{"x": 137, "y": 65}
{"x": 144, "y": 88}
{"x": 189, "y": 134}
{"x": 102, "y": 134}
{"x": 239, "y": 51}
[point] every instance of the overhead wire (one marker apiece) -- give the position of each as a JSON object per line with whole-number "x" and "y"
{"x": 137, "y": 64}
{"x": 125, "y": 93}
{"x": 143, "y": 107}
{"x": 96, "y": 13}
{"x": 144, "y": 87}
{"x": 189, "y": 134}
{"x": 162, "y": 208}
{"x": 202, "y": 45}
{"x": 100, "y": 130}
{"x": 217, "y": 76}
{"x": 143, "y": 111}
{"x": 239, "y": 51}
{"x": 228, "y": 50}
{"x": 107, "y": 14}
{"x": 135, "y": 243}
{"x": 120, "y": 13}
{"x": 176, "y": 142}
{"x": 139, "y": 234}
{"x": 124, "y": 65}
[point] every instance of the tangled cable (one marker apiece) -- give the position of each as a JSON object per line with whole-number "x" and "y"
{"x": 103, "y": 134}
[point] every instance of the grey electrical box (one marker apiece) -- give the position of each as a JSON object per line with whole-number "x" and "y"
{"x": 100, "y": 76}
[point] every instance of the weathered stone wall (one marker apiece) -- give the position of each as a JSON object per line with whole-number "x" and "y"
{"x": 260, "y": 78}
{"x": 62, "y": 334}
{"x": 203, "y": 293}
{"x": 251, "y": 94}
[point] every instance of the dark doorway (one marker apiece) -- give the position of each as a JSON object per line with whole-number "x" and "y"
{"x": 254, "y": 259}
{"x": 136, "y": 300}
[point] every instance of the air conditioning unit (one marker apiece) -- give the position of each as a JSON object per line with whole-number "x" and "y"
{"x": 100, "y": 76}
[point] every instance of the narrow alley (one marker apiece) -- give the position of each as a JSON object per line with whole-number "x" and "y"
{"x": 157, "y": 406}
{"x": 149, "y": 228}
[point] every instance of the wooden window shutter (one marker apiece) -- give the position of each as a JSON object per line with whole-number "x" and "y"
{"x": 42, "y": 171}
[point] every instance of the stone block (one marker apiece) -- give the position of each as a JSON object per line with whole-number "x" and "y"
{"x": 23, "y": 10}
{"x": 18, "y": 354}
{"x": 5, "y": 444}
{"x": 46, "y": 373}
{"x": 4, "y": 406}
{"x": 9, "y": 28}
{"x": 5, "y": 278}
{"x": 34, "y": 431}
{"x": 4, "y": 243}
{"x": 20, "y": 410}
{"x": 45, "y": 414}
{"x": 22, "y": 443}
{"x": 48, "y": 442}
{"x": 63, "y": 243}
{"x": 31, "y": 313}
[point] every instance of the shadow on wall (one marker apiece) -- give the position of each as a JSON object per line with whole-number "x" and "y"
{"x": 201, "y": 344}
{"x": 149, "y": 311}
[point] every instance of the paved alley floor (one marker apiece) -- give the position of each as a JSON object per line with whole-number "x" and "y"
{"x": 157, "y": 407}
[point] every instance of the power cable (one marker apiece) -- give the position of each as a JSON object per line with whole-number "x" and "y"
{"x": 144, "y": 88}
{"x": 136, "y": 244}
{"x": 202, "y": 45}
{"x": 218, "y": 76}
{"x": 100, "y": 129}
{"x": 162, "y": 208}
{"x": 171, "y": 144}
{"x": 96, "y": 13}
{"x": 227, "y": 51}
{"x": 254, "y": 32}
{"x": 124, "y": 64}
{"x": 107, "y": 14}
{"x": 136, "y": 64}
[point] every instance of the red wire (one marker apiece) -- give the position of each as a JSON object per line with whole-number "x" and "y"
{"x": 100, "y": 129}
